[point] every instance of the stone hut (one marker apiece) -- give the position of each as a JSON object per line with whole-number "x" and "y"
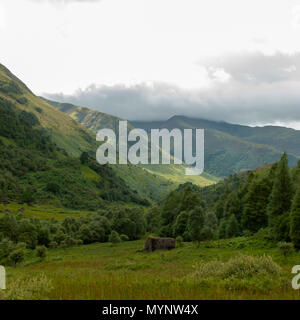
{"x": 154, "y": 243}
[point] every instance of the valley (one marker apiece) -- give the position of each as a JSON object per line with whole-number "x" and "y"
{"x": 71, "y": 228}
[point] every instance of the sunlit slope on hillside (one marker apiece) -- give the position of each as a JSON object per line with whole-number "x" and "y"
{"x": 64, "y": 131}
{"x": 154, "y": 180}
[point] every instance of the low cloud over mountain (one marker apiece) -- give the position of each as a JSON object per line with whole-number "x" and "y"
{"x": 241, "y": 88}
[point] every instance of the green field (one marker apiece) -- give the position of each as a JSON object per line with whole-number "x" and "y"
{"x": 42, "y": 212}
{"x": 125, "y": 271}
{"x": 51, "y": 212}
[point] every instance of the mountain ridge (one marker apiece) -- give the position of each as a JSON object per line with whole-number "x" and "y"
{"x": 250, "y": 133}
{"x": 231, "y": 148}
{"x": 95, "y": 120}
{"x": 48, "y": 157}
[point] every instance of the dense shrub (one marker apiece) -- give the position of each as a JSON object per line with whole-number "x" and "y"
{"x": 124, "y": 237}
{"x": 41, "y": 252}
{"x": 179, "y": 241}
{"x": 25, "y": 288}
{"x": 22, "y": 100}
{"x": 16, "y": 256}
{"x": 53, "y": 245}
{"x": 241, "y": 266}
{"x": 285, "y": 248}
{"x": 68, "y": 242}
{"x": 114, "y": 237}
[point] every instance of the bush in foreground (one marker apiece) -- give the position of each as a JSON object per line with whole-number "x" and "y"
{"x": 241, "y": 267}
{"x": 25, "y": 288}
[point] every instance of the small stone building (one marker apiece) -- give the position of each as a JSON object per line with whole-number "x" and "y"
{"x": 154, "y": 243}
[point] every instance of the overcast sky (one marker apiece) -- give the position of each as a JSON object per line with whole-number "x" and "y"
{"x": 232, "y": 60}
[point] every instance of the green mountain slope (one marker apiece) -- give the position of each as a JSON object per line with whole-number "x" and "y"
{"x": 152, "y": 180}
{"x": 34, "y": 164}
{"x": 90, "y": 119}
{"x": 232, "y": 148}
{"x": 64, "y": 131}
{"x": 281, "y": 138}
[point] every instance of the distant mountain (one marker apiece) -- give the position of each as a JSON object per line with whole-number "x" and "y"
{"x": 281, "y": 138}
{"x": 90, "y": 119}
{"x": 155, "y": 180}
{"x": 231, "y": 148}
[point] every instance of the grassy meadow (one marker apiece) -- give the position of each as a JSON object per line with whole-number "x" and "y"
{"x": 42, "y": 211}
{"x": 125, "y": 271}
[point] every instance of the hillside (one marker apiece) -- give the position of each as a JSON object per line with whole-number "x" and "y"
{"x": 63, "y": 130}
{"x": 281, "y": 138}
{"x": 152, "y": 180}
{"x": 90, "y": 119}
{"x": 242, "y": 204}
{"x": 233, "y": 148}
{"x": 37, "y": 164}
{"x": 69, "y": 136}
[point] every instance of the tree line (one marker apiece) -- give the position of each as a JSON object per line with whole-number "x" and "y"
{"x": 267, "y": 198}
{"x": 19, "y": 232}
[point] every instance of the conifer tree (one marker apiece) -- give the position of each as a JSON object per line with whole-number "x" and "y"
{"x": 296, "y": 174}
{"x": 232, "y": 206}
{"x": 170, "y": 210}
{"x": 211, "y": 220}
{"x": 232, "y": 228}
{"x": 185, "y": 198}
{"x": 180, "y": 225}
{"x": 295, "y": 221}
{"x": 281, "y": 230}
{"x": 190, "y": 199}
{"x": 222, "y": 229}
{"x": 207, "y": 233}
{"x": 219, "y": 208}
{"x": 195, "y": 224}
{"x": 210, "y": 226}
{"x": 254, "y": 214}
{"x": 282, "y": 192}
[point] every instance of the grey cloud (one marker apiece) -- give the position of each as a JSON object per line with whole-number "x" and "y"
{"x": 257, "y": 67}
{"x": 270, "y": 93}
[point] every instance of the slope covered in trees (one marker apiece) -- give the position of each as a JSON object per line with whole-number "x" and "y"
{"x": 71, "y": 139}
{"x": 34, "y": 166}
{"x": 61, "y": 129}
{"x": 241, "y": 205}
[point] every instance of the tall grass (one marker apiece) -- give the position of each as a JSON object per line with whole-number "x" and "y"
{"x": 27, "y": 288}
{"x": 241, "y": 266}
{"x": 99, "y": 271}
